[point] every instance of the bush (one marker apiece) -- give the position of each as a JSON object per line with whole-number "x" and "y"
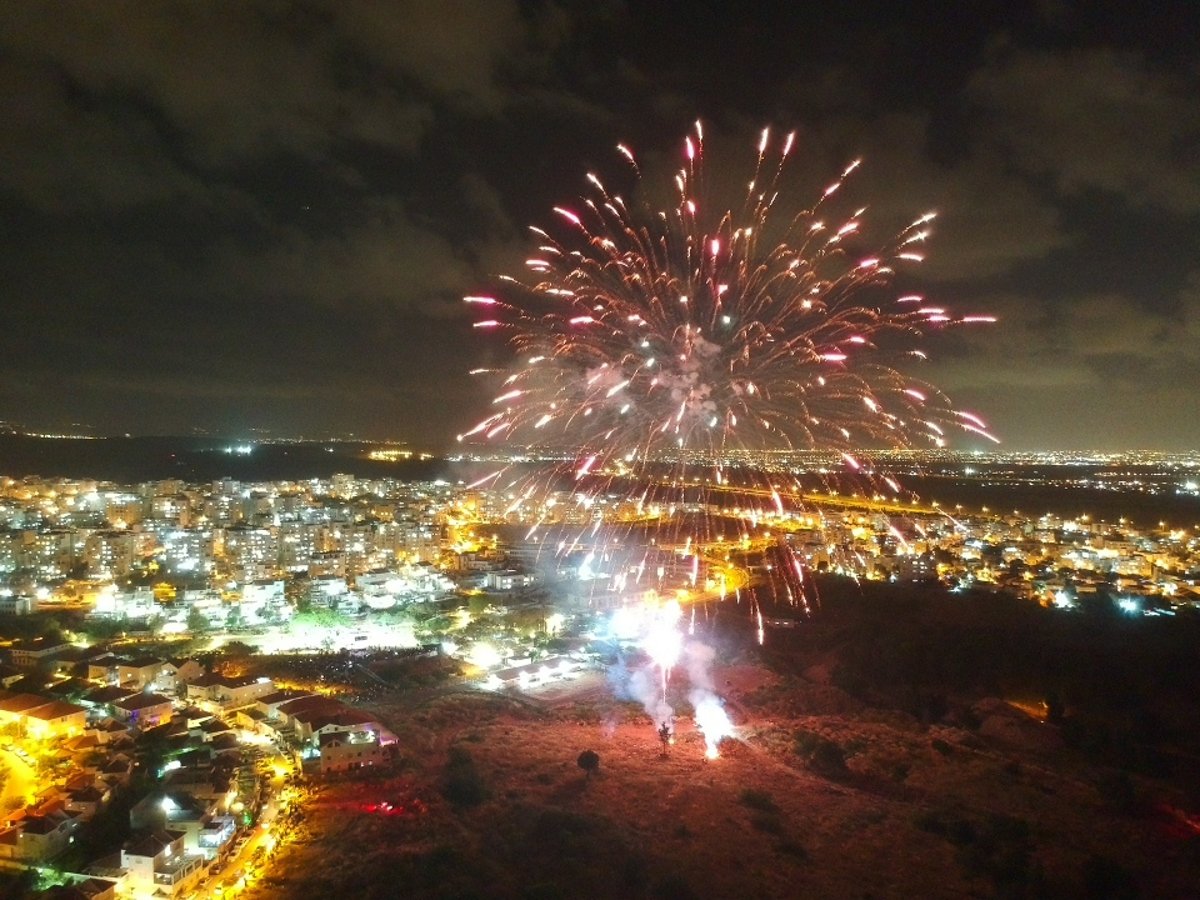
{"x": 823, "y": 755}
{"x": 759, "y": 800}
{"x": 589, "y": 761}
{"x": 941, "y": 746}
{"x": 998, "y": 848}
{"x": 769, "y": 824}
{"x": 462, "y": 784}
{"x": 828, "y": 759}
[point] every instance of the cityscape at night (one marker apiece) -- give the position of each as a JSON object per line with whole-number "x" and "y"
{"x": 546, "y": 449}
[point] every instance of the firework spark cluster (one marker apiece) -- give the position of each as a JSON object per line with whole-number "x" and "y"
{"x": 656, "y": 628}
{"x": 642, "y": 331}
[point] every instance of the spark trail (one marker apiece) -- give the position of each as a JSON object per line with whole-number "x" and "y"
{"x": 643, "y": 333}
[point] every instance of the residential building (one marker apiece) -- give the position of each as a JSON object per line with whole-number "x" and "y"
{"x": 345, "y": 751}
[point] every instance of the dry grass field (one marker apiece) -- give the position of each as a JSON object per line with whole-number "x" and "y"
{"x": 488, "y": 801}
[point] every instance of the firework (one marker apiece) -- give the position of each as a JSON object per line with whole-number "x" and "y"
{"x": 663, "y": 641}
{"x": 643, "y": 333}
{"x": 712, "y": 721}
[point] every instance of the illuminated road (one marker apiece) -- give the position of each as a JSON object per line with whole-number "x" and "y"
{"x": 805, "y": 501}
{"x": 21, "y": 782}
{"x": 238, "y": 872}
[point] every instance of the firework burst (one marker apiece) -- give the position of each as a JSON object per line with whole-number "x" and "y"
{"x": 645, "y": 333}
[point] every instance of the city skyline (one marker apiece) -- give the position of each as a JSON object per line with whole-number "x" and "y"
{"x": 245, "y": 218}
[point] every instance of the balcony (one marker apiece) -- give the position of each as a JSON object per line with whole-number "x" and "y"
{"x": 176, "y": 869}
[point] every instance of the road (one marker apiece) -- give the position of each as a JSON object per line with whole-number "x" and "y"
{"x": 21, "y": 783}
{"x": 238, "y": 870}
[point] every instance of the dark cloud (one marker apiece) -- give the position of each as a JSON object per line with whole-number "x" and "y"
{"x": 1096, "y": 119}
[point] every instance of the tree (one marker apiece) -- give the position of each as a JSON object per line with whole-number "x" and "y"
{"x": 664, "y": 735}
{"x": 589, "y": 761}
{"x": 196, "y": 621}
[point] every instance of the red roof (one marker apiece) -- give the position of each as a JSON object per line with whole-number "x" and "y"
{"x": 142, "y": 701}
{"x": 55, "y": 709}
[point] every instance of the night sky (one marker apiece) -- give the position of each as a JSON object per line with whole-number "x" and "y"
{"x": 263, "y": 215}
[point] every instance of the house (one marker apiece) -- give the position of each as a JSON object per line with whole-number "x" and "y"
{"x": 74, "y": 660}
{"x": 81, "y": 745}
{"x": 252, "y": 719}
{"x": 215, "y": 835}
{"x": 270, "y": 703}
{"x": 507, "y": 580}
{"x": 109, "y": 731}
{"x": 289, "y": 711}
{"x": 226, "y": 745}
{"x": 177, "y": 672}
{"x": 103, "y": 668}
{"x": 228, "y": 693}
{"x": 138, "y": 673}
{"x": 13, "y": 707}
{"x": 17, "y": 604}
{"x": 44, "y": 837}
{"x": 205, "y": 829}
{"x": 27, "y": 654}
{"x": 312, "y": 726}
{"x": 156, "y": 863}
{"x": 531, "y": 674}
{"x": 102, "y": 698}
{"x": 346, "y": 751}
{"x": 177, "y": 811}
{"x": 87, "y": 801}
{"x": 70, "y": 689}
{"x": 117, "y": 770}
{"x": 189, "y": 719}
{"x": 144, "y": 710}
{"x": 203, "y": 784}
{"x": 55, "y": 719}
{"x": 211, "y": 728}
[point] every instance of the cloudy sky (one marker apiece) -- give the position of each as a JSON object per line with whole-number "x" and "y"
{"x": 263, "y": 215}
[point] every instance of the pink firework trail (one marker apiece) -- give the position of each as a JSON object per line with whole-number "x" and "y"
{"x": 644, "y": 333}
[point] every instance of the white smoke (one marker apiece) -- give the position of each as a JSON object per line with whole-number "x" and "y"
{"x": 658, "y": 632}
{"x": 708, "y": 708}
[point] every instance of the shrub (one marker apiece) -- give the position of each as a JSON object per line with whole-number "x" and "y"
{"x": 589, "y": 761}
{"x": 462, "y": 784}
{"x": 769, "y": 824}
{"x": 828, "y": 759}
{"x": 759, "y": 800}
{"x": 823, "y": 755}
